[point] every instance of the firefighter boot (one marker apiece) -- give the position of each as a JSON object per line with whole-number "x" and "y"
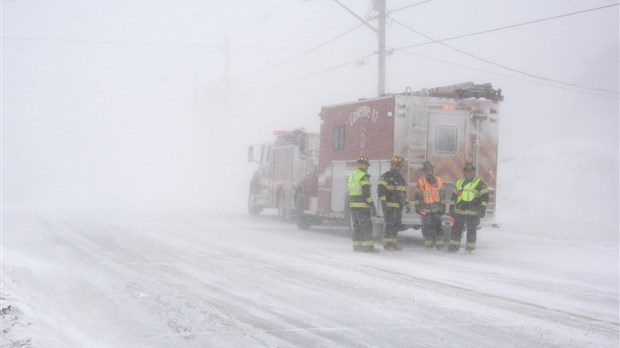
{"x": 428, "y": 244}
{"x": 371, "y": 249}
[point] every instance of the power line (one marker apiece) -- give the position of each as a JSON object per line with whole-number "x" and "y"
{"x": 507, "y": 76}
{"x": 505, "y": 27}
{"x": 317, "y": 73}
{"x": 129, "y": 43}
{"x": 433, "y": 41}
{"x": 300, "y": 55}
{"x": 504, "y": 66}
{"x": 406, "y": 7}
{"x": 364, "y": 22}
{"x": 162, "y": 44}
{"x": 401, "y": 8}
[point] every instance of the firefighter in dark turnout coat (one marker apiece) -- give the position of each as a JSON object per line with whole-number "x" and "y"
{"x": 362, "y": 207}
{"x": 430, "y": 202}
{"x": 392, "y": 192}
{"x": 467, "y": 206}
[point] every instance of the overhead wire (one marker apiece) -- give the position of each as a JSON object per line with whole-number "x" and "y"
{"x": 163, "y": 44}
{"x": 436, "y": 41}
{"x": 408, "y": 6}
{"x": 317, "y": 73}
{"x": 509, "y": 76}
{"x": 305, "y": 52}
{"x": 327, "y": 42}
{"x": 502, "y": 65}
{"x": 504, "y": 27}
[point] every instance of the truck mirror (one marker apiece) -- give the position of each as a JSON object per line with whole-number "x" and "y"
{"x": 250, "y": 154}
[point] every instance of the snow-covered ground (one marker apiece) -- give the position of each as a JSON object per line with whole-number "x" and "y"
{"x": 231, "y": 280}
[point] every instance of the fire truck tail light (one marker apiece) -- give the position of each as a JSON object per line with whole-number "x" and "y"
{"x": 448, "y": 107}
{"x": 278, "y": 132}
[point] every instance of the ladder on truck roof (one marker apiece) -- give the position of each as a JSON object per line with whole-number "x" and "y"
{"x": 467, "y": 90}
{"x": 464, "y": 90}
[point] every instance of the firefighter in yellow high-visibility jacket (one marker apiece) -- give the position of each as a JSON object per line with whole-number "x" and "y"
{"x": 467, "y": 206}
{"x": 430, "y": 202}
{"x": 362, "y": 207}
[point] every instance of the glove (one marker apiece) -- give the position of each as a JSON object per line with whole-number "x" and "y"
{"x": 417, "y": 209}
{"x": 373, "y": 210}
{"x": 452, "y": 210}
{"x": 482, "y": 212}
{"x": 407, "y": 208}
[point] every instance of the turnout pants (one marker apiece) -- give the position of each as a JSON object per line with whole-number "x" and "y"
{"x": 460, "y": 221}
{"x": 393, "y": 218}
{"x": 432, "y": 231}
{"x": 362, "y": 229}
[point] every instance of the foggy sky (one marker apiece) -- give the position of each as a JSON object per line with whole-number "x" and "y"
{"x": 152, "y": 104}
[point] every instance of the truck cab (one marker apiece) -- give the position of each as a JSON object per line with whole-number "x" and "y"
{"x": 282, "y": 167}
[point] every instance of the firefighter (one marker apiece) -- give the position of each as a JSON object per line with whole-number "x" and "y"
{"x": 392, "y": 192}
{"x": 362, "y": 207}
{"x": 430, "y": 202}
{"x": 467, "y": 206}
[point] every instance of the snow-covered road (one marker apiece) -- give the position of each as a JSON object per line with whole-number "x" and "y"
{"x": 230, "y": 280}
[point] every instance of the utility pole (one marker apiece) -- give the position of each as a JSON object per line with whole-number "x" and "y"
{"x": 378, "y": 5}
{"x": 381, "y": 50}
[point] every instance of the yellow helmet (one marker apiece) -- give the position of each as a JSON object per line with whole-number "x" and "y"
{"x": 397, "y": 161}
{"x": 364, "y": 160}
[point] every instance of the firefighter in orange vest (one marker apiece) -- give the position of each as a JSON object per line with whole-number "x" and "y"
{"x": 430, "y": 202}
{"x": 362, "y": 207}
{"x": 467, "y": 206}
{"x": 392, "y": 192}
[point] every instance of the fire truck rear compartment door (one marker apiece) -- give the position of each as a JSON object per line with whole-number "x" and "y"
{"x": 446, "y": 136}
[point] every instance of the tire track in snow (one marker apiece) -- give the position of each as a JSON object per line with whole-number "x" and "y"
{"x": 576, "y": 319}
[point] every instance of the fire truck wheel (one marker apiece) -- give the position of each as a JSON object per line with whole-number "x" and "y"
{"x": 252, "y": 208}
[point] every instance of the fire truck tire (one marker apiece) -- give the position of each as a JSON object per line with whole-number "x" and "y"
{"x": 252, "y": 208}
{"x": 303, "y": 221}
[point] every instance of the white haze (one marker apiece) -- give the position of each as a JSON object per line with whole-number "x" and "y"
{"x": 125, "y": 106}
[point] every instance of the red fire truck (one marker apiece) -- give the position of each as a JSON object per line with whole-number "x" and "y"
{"x": 447, "y": 126}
